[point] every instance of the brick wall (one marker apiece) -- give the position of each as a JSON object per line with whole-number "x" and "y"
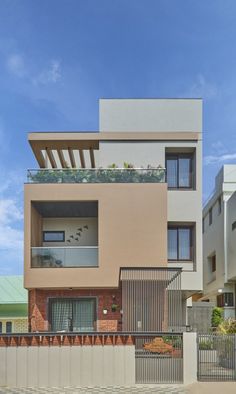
{"x": 39, "y": 301}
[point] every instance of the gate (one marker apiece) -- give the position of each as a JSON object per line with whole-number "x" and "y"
{"x": 159, "y": 358}
{"x": 216, "y": 357}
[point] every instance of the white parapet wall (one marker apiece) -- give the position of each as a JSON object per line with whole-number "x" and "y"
{"x": 60, "y": 366}
{"x": 189, "y": 357}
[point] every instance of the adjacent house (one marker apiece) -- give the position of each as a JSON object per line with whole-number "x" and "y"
{"x": 219, "y": 242}
{"x": 13, "y": 305}
{"x": 113, "y": 219}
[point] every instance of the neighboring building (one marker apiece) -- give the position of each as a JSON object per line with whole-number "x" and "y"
{"x": 219, "y": 242}
{"x": 105, "y": 247}
{"x": 13, "y": 305}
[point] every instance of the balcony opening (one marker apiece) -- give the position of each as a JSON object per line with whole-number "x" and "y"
{"x": 64, "y": 234}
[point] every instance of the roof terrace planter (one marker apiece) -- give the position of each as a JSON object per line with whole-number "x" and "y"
{"x": 97, "y": 175}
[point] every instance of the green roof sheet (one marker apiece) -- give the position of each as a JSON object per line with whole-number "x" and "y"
{"x": 12, "y": 290}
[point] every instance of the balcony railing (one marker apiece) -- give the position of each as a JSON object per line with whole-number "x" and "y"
{"x": 64, "y": 257}
{"x": 97, "y": 175}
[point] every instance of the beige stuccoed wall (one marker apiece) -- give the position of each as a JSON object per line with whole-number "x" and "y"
{"x": 184, "y": 206}
{"x": 132, "y": 231}
{"x": 61, "y": 366}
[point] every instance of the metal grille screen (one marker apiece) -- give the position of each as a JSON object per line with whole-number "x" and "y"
{"x": 151, "y": 299}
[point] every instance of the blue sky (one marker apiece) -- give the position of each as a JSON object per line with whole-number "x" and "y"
{"x": 58, "y": 57}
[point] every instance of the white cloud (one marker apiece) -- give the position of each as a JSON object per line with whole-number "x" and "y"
{"x": 50, "y": 75}
{"x": 216, "y": 159}
{"x": 202, "y": 89}
{"x": 9, "y": 211}
{"x": 16, "y": 65}
{"x": 218, "y": 147}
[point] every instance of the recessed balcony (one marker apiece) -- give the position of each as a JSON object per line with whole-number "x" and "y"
{"x": 97, "y": 175}
{"x": 64, "y": 234}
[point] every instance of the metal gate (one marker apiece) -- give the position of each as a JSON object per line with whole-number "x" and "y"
{"x": 216, "y": 357}
{"x": 159, "y": 358}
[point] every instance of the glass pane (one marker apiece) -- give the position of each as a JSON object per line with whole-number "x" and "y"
{"x": 184, "y": 244}
{"x": 172, "y": 171}
{"x": 61, "y": 315}
{"x": 8, "y": 327}
{"x": 83, "y": 315}
{"x": 0, "y": 327}
{"x": 172, "y": 244}
{"x": 49, "y": 236}
{"x": 184, "y": 172}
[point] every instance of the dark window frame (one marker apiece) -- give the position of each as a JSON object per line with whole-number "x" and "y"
{"x": 225, "y": 298}
{"x": 182, "y": 227}
{"x": 213, "y": 263}
{"x": 7, "y": 325}
{"x": 51, "y": 300}
{"x": 54, "y": 232}
{"x": 1, "y": 326}
{"x": 210, "y": 216}
{"x": 177, "y": 156}
{"x": 219, "y": 202}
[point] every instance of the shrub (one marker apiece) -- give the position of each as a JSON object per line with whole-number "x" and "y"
{"x": 227, "y": 326}
{"x": 216, "y": 317}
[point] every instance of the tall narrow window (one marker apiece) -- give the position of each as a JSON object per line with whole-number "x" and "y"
{"x": 213, "y": 263}
{"x": 210, "y": 216}
{"x": 0, "y": 327}
{"x": 219, "y": 205}
{"x": 8, "y": 327}
{"x": 180, "y": 243}
{"x": 179, "y": 171}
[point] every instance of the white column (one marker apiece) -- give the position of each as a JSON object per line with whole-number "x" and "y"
{"x": 189, "y": 357}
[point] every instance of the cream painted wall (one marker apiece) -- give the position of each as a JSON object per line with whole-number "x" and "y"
{"x": 150, "y": 115}
{"x": 219, "y": 238}
{"x": 18, "y": 324}
{"x": 89, "y": 237}
{"x": 231, "y": 237}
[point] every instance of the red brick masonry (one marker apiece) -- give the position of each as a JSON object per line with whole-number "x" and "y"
{"x": 39, "y": 301}
{"x": 101, "y": 339}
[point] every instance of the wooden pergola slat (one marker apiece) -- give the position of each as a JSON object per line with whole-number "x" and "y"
{"x": 81, "y": 155}
{"x": 51, "y": 158}
{"x": 72, "y": 157}
{"x": 61, "y": 158}
{"x": 92, "y": 158}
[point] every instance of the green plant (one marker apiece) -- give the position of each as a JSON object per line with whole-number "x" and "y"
{"x": 227, "y": 326}
{"x": 216, "y": 317}
{"x": 206, "y": 344}
{"x": 114, "y": 307}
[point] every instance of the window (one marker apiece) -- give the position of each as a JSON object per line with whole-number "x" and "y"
{"x": 203, "y": 225}
{"x": 233, "y": 226}
{"x": 219, "y": 205}
{"x": 8, "y": 327}
{"x": 210, "y": 216}
{"x": 179, "y": 171}
{"x": 213, "y": 263}
{"x": 225, "y": 299}
{"x": 0, "y": 327}
{"x": 53, "y": 236}
{"x": 72, "y": 314}
{"x": 180, "y": 243}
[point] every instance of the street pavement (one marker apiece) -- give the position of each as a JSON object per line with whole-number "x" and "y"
{"x": 160, "y": 389}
